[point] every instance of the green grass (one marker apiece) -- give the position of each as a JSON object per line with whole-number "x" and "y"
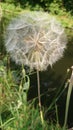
{"x": 15, "y": 112}
{"x": 11, "y": 10}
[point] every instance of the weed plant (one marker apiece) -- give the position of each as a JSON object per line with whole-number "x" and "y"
{"x": 15, "y": 112}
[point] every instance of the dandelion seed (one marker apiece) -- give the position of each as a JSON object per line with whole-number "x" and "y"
{"x": 35, "y": 39}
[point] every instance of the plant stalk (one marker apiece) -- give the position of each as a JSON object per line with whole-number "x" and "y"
{"x": 68, "y": 99}
{"x": 39, "y": 98}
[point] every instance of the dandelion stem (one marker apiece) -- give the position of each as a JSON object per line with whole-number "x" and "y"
{"x": 39, "y": 98}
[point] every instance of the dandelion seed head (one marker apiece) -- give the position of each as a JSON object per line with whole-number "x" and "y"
{"x": 35, "y": 39}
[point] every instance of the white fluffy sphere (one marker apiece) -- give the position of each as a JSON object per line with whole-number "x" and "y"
{"x": 35, "y": 39}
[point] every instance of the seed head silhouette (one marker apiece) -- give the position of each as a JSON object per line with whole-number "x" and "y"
{"x": 35, "y": 39}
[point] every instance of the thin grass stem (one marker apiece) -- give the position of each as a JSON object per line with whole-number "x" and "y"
{"x": 68, "y": 99}
{"x": 39, "y": 98}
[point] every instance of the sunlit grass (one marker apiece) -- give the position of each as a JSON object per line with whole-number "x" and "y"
{"x": 21, "y": 114}
{"x": 10, "y": 9}
{"x": 15, "y": 112}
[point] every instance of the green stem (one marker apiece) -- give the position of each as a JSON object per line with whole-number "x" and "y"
{"x": 68, "y": 99}
{"x": 8, "y": 121}
{"x": 39, "y": 98}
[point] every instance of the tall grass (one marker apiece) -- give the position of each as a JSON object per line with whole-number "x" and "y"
{"x": 15, "y": 112}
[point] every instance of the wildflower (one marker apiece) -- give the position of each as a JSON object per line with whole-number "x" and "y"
{"x": 35, "y": 39}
